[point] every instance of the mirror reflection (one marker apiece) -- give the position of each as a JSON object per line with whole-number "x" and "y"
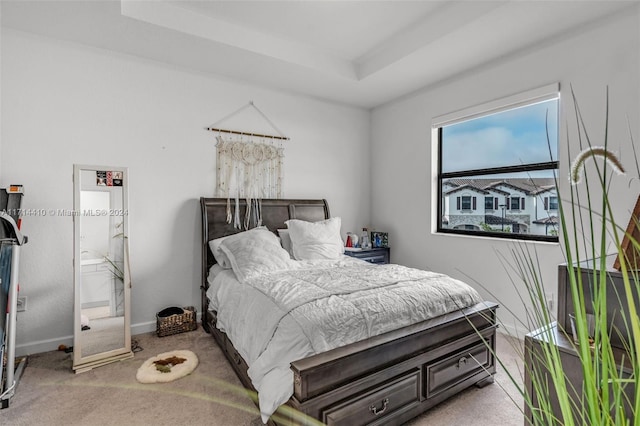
{"x": 101, "y": 237}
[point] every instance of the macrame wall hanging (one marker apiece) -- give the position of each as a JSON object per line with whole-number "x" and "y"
{"x": 249, "y": 166}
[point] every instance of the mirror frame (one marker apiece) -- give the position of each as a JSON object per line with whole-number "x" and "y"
{"x": 86, "y": 363}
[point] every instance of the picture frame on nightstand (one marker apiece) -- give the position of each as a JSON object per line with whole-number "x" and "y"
{"x": 379, "y": 239}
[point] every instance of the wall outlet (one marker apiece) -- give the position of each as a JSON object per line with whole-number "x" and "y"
{"x": 22, "y": 304}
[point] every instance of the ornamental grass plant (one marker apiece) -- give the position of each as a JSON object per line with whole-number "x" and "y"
{"x": 590, "y": 237}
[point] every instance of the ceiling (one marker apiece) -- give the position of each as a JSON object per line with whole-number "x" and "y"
{"x": 361, "y": 53}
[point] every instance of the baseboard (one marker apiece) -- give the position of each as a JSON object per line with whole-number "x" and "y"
{"x": 152, "y": 326}
{"x": 30, "y": 348}
{"x": 143, "y": 327}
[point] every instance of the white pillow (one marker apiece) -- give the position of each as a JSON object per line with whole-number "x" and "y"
{"x": 218, "y": 254}
{"x": 220, "y": 257}
{"x": 316, "y": 240}
{"x": 285, "y": 239}
{"x": 254, "y": 253}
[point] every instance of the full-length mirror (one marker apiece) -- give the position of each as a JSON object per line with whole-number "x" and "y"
{"x": 102, "y": 285}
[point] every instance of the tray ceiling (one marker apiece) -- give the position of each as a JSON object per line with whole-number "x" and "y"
{"x": 361, "y": 53}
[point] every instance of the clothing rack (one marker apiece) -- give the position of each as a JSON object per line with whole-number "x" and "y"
{"x": 11, "y": 240}
{"x": 280, "y": 135}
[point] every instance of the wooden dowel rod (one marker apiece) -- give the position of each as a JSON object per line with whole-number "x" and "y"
{"x": 235, "y": 132}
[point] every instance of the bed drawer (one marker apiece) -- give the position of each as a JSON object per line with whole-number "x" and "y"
{"x": 378, "y": 405}
{"x": 234, "y": 356}
{"x": 448, "y": 372}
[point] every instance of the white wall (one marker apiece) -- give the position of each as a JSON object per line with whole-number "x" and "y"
{"x": 606, "y": 53}
{"x": 64, "y": 103}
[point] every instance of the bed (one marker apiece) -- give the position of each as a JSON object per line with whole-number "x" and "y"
{"x": 387, "y": 378}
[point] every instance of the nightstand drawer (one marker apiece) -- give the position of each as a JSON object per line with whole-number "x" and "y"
{"x": 377, "y": 255}
{"x": 378, "y": 258}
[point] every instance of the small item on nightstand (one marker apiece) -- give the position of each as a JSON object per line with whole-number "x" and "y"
{"x": 364, "y": 239}
{"x": 353, "y": 239}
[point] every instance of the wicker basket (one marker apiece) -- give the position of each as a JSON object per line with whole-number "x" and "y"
{"x": 179, "y": 323}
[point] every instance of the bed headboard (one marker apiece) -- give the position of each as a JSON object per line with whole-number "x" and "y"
{"x": 274, "y": 214}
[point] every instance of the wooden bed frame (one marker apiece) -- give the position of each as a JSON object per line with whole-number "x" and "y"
{"x": 387, "y": 379}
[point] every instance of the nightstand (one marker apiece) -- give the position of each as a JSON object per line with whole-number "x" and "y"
{"x": 534, "y": 355}
{"x": 536, "y": 343}
{"x": 378, "y": 255}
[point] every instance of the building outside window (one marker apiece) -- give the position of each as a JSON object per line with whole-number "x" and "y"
{"x": 505, "y": 152}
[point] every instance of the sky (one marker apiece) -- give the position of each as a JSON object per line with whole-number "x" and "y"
{"x": 508, "y": 138}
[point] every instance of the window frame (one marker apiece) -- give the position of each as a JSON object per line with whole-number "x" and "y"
{"x": 531, "y": 97}
{"x": 465, "y": 199}
{"x": 519, "y": 203}
{"x": 492, "y": 202}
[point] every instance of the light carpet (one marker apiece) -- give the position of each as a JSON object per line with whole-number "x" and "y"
{"x": 50, "y": 393}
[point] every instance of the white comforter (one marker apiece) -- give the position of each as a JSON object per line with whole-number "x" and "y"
{"x": 277, "y": 318}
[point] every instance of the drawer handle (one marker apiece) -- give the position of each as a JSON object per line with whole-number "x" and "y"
{"x": 462, "y": 362}
{"x": 374, "y": 409}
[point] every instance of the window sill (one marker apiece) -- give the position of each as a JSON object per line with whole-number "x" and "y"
{"x": 507, "y": 240}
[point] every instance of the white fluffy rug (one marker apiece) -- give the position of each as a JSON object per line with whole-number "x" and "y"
{"x": 149, "y": 372}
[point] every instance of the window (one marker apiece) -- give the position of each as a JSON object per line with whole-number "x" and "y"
{"x": 507, "y": 152}
{"x": 488, "y": 203}
{"x": 517, "y": 203}
{"x": 551, "y": 203}
{"x": 466, "y": 203}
